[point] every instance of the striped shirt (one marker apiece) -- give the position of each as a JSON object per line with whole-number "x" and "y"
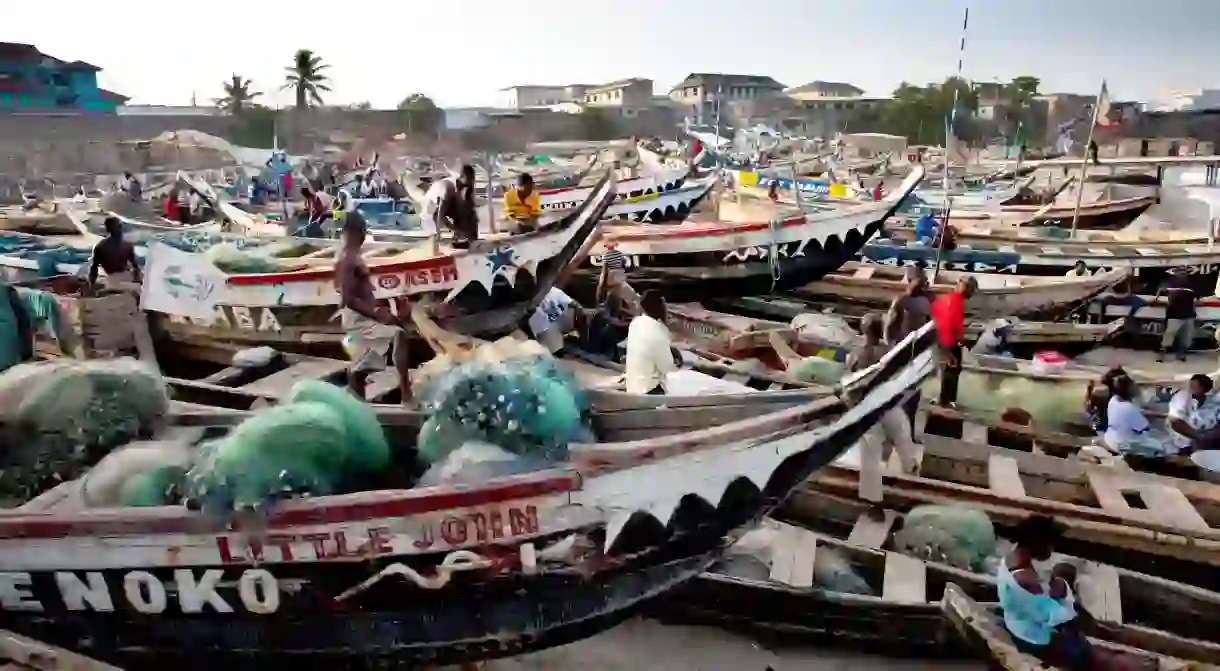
{"x": 614, "y": 260}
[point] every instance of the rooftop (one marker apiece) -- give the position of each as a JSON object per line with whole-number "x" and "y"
{"x": 27, "y": 53}
{"x": 699, "y": 78}
{"x": 841, "y": 88}
{"x": 618, "y": 84}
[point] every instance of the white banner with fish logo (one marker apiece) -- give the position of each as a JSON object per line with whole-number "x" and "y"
{"x": 180, "y": 283}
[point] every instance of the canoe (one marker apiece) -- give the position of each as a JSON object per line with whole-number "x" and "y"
{"x": 1109, "y": 213}
{"x": 981, "y": 627}
{"x": 740, "y": 337}
{"x": 772, "y": 591}
{"x": 1149, "y": 320}
{"x": 1141, "y": 521}
{"x": 748, "y": 248}
{"x": 489, "y": 287}
{"x": 435, "y": 575}
{"x": 1060, "y": 336}
{"x": 997, "y": 295}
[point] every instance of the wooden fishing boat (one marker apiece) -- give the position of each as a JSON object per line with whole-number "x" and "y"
{"x": 1065, "y": 337}
{"x": 489, "y": 287}
{"x": 1103, "y": 213}
{"x": 1149, "y": 319}
{"x": 651, "y": 184}
{"x": 980, "y": 625}
{"x": 749, "y": 248}
{"x": 432, "y": 575}
{"x": 997, "y": 295}
{"x": 768, "y": 587}
{"x": 1141, "y": 521}
{"x": 1151, "y": 261}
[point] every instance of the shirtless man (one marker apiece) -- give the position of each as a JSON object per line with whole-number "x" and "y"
{"x": 372, "y": 332}
{"x": 455, "y": 208}
{"x": 114, "y": 255}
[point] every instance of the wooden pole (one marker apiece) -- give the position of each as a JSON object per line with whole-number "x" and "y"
{"x": 1084, "y": 162}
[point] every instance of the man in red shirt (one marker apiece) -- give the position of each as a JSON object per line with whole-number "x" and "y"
{"x": 949, "y": 314}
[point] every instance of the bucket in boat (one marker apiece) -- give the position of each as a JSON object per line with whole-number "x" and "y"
{"x": 1208, "y": 463}
{"x": 1049, "y": 363}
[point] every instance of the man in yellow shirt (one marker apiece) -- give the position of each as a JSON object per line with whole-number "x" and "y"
{"x": 522, "y": 203}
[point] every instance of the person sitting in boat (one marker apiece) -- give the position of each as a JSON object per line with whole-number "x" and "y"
{"x": 994, "y": 341}
{"x": 1078, "y": 270}
{"x": 651, "y": 356}
{"x": 1097, "y": 398}
{"x": 892, "y": 432}
{"x": 773, "y": 191}
{"x": 950, "y": 235}
{"x": 114, "y": 255}
{"x": 523, "y": 204}
{"x": 556, "y": 316}
{"x": 371, "y": 333}
{"x": 1127, "y": 429}
{"x": 1193, "y": 416}
{"x": 1039, "y": 613}
{"x": 925, "y": 229}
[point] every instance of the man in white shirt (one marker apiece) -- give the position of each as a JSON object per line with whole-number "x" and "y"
{"x": 650, "y": 355}
{"x": 1079, "y": 270}
{"x": 1186, "y": 424}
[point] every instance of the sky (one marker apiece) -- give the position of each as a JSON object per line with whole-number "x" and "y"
{"x": 461, "y": 52}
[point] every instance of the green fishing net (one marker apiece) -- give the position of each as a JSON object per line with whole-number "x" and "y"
{"x": 957, "y": 535}
{"x": 528, "y": 406}
{"x": 367, "y": 449}
{"x": 819, "y": 370}
{"x": 64, "y": 416}
{"x": 1053, "y": 404}
{"x": 154, "y": 487}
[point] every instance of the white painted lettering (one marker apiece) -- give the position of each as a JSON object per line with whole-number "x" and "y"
{"x": 15, "y": 592}
{"x": 193, "y": 595}
{"x": 144, "y": 592}
{"x": 76, "y": 593}
{"x": 259, "y": 591}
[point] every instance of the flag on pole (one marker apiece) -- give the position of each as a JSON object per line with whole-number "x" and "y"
{"x": 1101, "y": 113}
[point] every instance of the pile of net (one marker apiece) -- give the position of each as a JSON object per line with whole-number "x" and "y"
{"x": 1052, "y": 404}
{"x": 61, "y": 417}
{"x": 320, "y": 441}
{"x": 957, "y": 535}
{"x": 510, "y": 394}
{"x": 817, "y": 369}
{"x": 752, "y": 556}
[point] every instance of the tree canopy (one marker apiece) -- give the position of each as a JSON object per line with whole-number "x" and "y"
{"x": 421, "y": 114}
{"x": 237, "y": 95}
{"x": 920, "y": 112}
{"x": 305, "y": 78}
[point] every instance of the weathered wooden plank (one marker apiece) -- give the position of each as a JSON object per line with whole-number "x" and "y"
{"x": 905, "y": 579}
{"x": 1098, "y": 591}
{"x": 1108, "y": 492}
{"x": 1170, "y": 505}
{"x": 864, "y": 272}
{"x": 279, "y": 384}
{"x": 1004, "y": 477}
{"x": 870, "y": 531}
{"x": 974, "y": 433}
{"x": 224, "y": 375}
{"x": 782, "y": 555}
{"x": 794, "y": 554}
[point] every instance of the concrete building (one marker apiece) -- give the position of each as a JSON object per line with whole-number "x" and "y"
{"x": 629, "y": 96}
{"x": 700, "y": 91}
{"x": 31, "y": 81}
{"x": 167, "y": 110}
{"x": 819, "y": 90}
{"x": 1184, "y": 101}
{"x": 529, "y": 97}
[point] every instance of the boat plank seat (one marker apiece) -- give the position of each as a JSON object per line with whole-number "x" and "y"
{"x": 864, "y": 273}
{"x": 975, "y": 433}
{"x": 1004, "y": 476}
{"x": 905, "y": 579}
{"x": 280, "y": 383}
{"x": 793, "y": 556}
{"x": 871, "y": 532}
{"x": 1098, "y": 588}
{"x": 1164, "y": 503}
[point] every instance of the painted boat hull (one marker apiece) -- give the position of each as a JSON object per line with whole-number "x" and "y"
{"x": 747, "y": 258}
{"x": 350, "y": 578}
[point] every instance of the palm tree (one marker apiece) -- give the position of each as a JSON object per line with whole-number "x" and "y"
{"x": 237, "y": 95}
{"x": 305, "y": 78}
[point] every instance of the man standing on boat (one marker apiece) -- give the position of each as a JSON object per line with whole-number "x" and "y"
{"x": 907, "y": 314}
{"x": 451, "y": 204}
{"x": 949, "y": 313}
{"x": 888, "y": 434}
{"x": 370, "y": 331}
{"x": 114, "y": 255}
{"x": 1179, "y": 324}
